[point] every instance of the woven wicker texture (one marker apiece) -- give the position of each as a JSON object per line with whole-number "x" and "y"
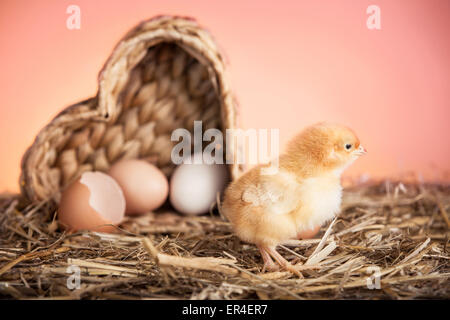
{"x": 164, "y": 74}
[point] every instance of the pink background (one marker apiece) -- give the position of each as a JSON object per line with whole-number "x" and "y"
{"x": 292, "y": 63}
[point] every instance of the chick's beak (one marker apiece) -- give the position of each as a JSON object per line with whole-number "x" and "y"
{"x": 360, "y": 151}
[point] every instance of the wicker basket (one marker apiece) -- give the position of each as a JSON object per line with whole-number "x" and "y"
{"x": 164, "y": 74}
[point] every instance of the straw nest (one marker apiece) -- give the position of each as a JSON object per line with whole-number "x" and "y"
{"x": 401, "y": 229}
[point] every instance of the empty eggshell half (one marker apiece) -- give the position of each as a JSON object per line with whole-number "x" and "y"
{"x": 94, "y": 202}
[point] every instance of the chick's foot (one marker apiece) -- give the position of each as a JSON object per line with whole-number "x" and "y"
{"x": 282, "y": 261}
{"x": 269, "y": 265}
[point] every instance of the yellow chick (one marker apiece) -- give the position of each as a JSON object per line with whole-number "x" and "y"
{"x": 305, "y": 192}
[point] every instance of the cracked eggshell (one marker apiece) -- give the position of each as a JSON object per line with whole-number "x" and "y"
{"x": 94, "y": 202}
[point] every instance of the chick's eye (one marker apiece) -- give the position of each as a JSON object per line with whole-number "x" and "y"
{"x": 348, "y": 146}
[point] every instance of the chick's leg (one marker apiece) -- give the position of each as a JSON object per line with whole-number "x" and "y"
{"x": 282, "y": 261}
{"x": 269, "y": 265}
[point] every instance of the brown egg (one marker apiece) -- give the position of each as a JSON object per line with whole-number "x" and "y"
{"x": 94, "y": 202}
{"x": 308, "y": 234}
{"x": 144, "y": 186}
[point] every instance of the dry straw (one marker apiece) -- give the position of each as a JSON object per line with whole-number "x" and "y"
{"x": 164, "y": 255}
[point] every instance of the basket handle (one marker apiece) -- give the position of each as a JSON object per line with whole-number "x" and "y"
{"x": 133, "y": 47}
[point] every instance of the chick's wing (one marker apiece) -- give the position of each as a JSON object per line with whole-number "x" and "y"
{"x": 275, "y": 194}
